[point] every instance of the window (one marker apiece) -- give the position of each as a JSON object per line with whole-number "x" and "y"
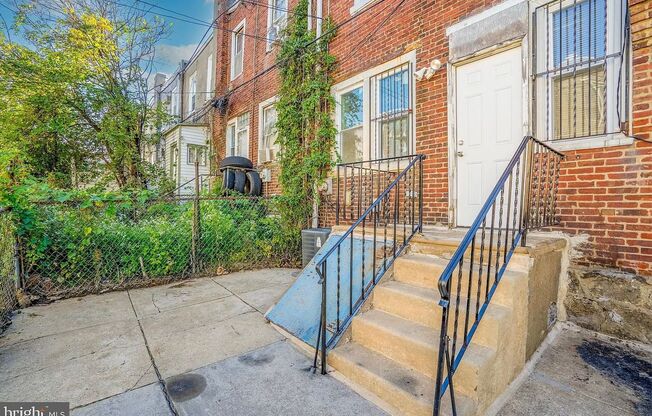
{"x": 581, "y": 69}
{"x": 237, "y": 136}
{"x": 359, "y": 5}
{"x": 391, "y": 112}
{"x": 193, "y": 92}
{"x": 197, "y": 152}
{"x": 375, "y": 117}
{"x": 351, "y": 126}
{"x": 276, "y": 20}
{"x": 237, "y": 50}
{"x": 175, "y": 102}
{"x": 209, "y": 77}
{"x": 174, "y": 157}
{"x": 267, "y": 146}
{"x": 231, "y": 4}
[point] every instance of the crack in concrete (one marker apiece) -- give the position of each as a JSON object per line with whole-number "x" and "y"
{"x": 155, "y": 305}
{"x": 153, "y": 362}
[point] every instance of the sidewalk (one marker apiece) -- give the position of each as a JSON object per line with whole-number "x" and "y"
{"x": 205, "y": 339}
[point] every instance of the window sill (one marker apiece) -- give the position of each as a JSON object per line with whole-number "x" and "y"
{"x": 605, "y": 140}
{"x": 232, "y": 8}
{"x": 360, "y": 7}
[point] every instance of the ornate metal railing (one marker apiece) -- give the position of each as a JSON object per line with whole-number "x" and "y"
{"x": 524, "y": 198}
{"x": 358, "y": 184}
{"x": 362, "y": 255}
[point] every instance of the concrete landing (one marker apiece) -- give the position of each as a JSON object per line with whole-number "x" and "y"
{"x": 585, "y": 374}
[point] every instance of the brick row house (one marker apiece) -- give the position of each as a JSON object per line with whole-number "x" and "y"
{"x": 575, "y": 74}
{"x": 463, "y": 82}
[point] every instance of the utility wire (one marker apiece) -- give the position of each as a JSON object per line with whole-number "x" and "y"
{"x": 273, "y": 66}
{"x": 280, "y": 9}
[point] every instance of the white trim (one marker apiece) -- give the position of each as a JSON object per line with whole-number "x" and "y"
{"x": 242, "y": 26}
{"x": 234, "y": 122}
{"x": 482, "y": 15}
{"x": 364, "y": 79}
{"x": 271, "y": 8}
{"x": 210, "y": 69}
{"x": 592, "y": 142}
{"x": 261, "y": 124}
{"x": 452, "y": 113}
{"x": 360, "y": 5}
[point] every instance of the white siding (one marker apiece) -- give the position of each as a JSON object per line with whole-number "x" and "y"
{"x": 197, "y": 135}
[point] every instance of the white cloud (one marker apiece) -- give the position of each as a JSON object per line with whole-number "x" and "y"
{"x": 173, "y": 54}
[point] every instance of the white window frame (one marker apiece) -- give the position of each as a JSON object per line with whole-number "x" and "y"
{"x": 194, "y": 148}
{"x": 193, "y": 92}
{"x": 359, "y": 5}
{"x": 261, "y": 129}
{"x": 209, "y": 77}
{"x": 614, "y": 43}
{"x": 233, "y": 123}
{"x": 370, "y": 149}
{"x": 271, "y": 8}
{"x": 239, "y": 29}
{"x": 174, "y": 110}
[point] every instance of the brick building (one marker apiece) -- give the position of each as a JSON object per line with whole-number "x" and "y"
{"x": 575, "y": 74}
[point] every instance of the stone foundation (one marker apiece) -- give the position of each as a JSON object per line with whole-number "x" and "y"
{"x": 611, "y": 302}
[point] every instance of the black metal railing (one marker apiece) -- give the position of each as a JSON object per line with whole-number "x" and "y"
{"x": 353, "y": 266}
{"x": 358, "y": 184}
{"x": 524, "y": 198}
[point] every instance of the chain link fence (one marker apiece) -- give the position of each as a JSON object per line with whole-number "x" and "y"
{"x": 7, "y": 270}
{"x": 72, "y": 249}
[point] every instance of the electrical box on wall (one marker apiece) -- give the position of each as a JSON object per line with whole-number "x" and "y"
{"x": 266, "y": 175}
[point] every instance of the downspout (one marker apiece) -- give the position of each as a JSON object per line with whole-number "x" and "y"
{"x": 318, "y": 13}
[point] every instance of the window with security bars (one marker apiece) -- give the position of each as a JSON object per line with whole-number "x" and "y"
{"x": 581, "y": 68}
{"x": 391, "y": 111}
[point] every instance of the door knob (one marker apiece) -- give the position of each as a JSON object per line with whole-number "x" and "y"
{"x": 460, "y": 153}
{"x": 461, "y": 142}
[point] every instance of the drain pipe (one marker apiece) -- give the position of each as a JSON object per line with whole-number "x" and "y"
{"x": 318, "y": 13}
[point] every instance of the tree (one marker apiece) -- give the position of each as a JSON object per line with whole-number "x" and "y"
{"x": 75, "y": 100}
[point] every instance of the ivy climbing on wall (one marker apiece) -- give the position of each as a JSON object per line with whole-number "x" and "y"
{"x": 306, "y": 132}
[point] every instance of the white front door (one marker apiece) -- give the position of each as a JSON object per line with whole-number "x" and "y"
{"x": 489, "y": 126}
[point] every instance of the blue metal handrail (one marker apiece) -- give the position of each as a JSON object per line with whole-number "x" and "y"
{"x": 410, "y": 182}
{"x": 534, "y": 206}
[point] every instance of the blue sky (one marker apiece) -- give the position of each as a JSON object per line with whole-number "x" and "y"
{"x": 183, "y": 37}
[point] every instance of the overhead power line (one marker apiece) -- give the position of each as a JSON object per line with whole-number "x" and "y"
{"x": 273, "y": 66}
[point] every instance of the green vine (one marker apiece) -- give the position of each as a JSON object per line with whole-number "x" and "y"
{"x": 306, "y": 133}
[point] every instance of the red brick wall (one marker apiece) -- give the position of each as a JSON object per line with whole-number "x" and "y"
{"x": 606, "y": 193}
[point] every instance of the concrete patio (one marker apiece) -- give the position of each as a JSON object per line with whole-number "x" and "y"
{"x": 206, "y": 340}
{"x": 202, "y": 346}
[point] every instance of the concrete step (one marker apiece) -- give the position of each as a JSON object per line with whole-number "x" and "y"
{"x": 424, "y": 270}
{"x": 407, "y": 390}
{"x": 421, "y": 305}
{"x": 445, "y": 247}
{"x": 416, "y": 346}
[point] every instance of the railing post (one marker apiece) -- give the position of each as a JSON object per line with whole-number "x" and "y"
{"x": 441, "y": 357}
{"x": 337, "y": 201}
{"x": 323, "y": 318}
{"x": 420, "y": 193}
{"x": 195, "y": 221}
{"x": 527, "y": 183}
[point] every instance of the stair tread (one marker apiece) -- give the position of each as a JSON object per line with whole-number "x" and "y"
{"x": 432, "y": 296}
{"x": 420, "y": 334}
{"x": 431, "y": 259}
{"x": 417, "y": 385}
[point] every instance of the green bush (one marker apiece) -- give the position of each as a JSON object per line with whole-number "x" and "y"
{"x": 113, "y": 243}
